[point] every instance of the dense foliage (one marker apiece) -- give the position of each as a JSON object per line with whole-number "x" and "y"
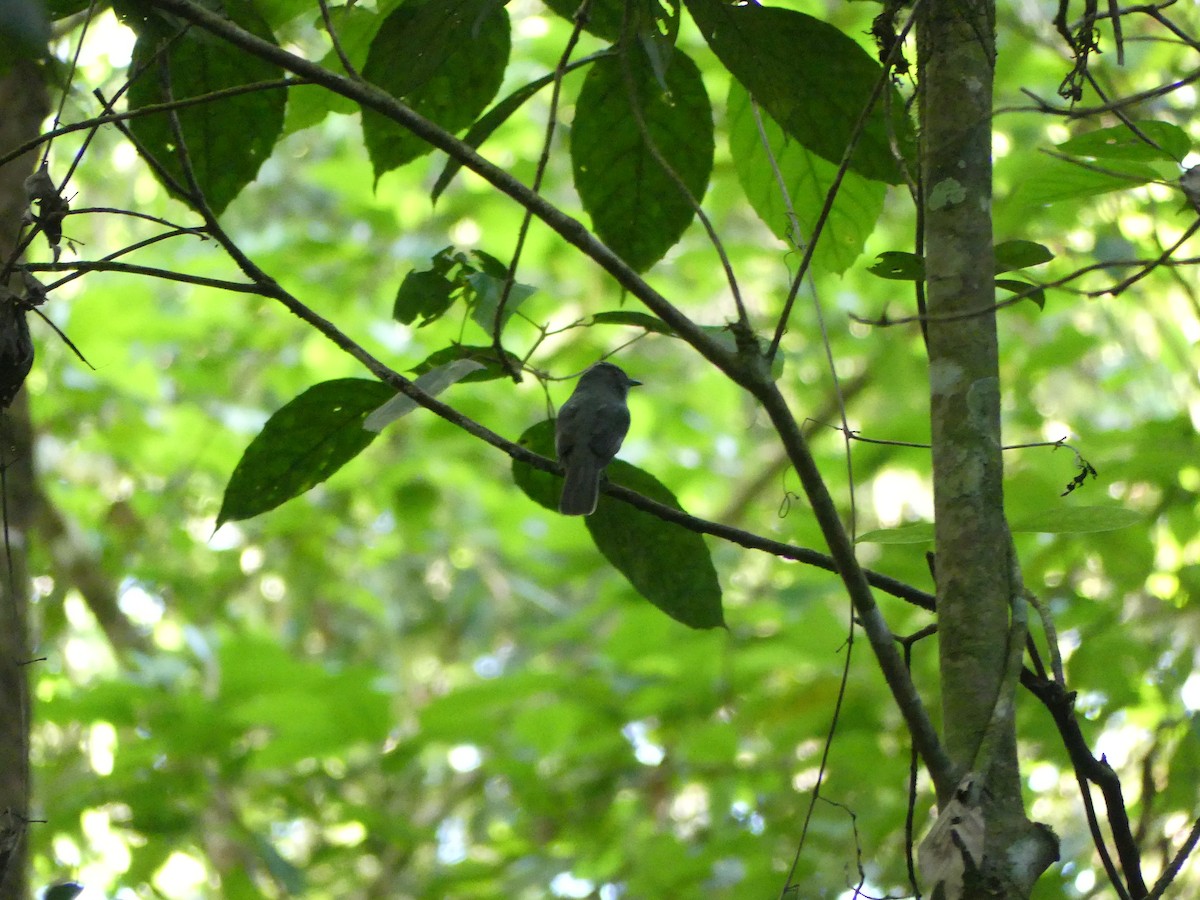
{"x": 391, "y": 671}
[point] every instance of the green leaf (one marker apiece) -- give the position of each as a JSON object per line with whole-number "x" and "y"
{"x": 66, "y": 891}
{"x": 633, "y": 317}
{"x": 1119, "y": 142}
{"x": 1052, "y": 180}
{"x": 807, "y": 178}
{"x": 484, "y": 299}
{"x": 1036, "y": 295}
{"x": 636, "y": 208}
{"x": 227, "y": 140}
{"x": 491, "y": 369}
{"x": 308, "y": 104}
{"x": 25, "y": 29}
{"x": 917, "y": 533}
{"x": 895, "y": 265}
{"x": 668, "y": 565}
{"x": 1079, "y": 519}
{"x": 301, "y": 445}
{"x": 604, "y": 17}
{"x": 1020, "y": 254}
{"x": 811, "y": 77}
{"x": 443, "y": 58}
{"x": 424, "y": 295}
{"x": 497, "y": 116}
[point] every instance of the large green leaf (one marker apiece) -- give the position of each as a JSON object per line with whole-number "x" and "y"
{"x": 636, "y": 207}
{"x": 811, "y": 77}
{"x": 445, "y": 59}
{"x": 807, "y": 179}
{"x": 497, "y": 116}
{"x": 308, "y": 104}
{"x": 1078, "y": 519}
{"x": 1120, "y": 142}
{"x": 227, "y": 140}
{"x": 668, "y": 565}
{"x": 1051, "y": 180}
{"x": 301, "y": 445}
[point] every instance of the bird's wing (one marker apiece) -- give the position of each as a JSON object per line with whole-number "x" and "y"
{"x": 608, "y": 428}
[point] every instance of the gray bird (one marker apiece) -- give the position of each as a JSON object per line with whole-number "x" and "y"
{"x": 591, "y": 426}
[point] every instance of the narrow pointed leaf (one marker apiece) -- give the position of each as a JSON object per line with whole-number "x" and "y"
{"x": 1019, "y": 254}
{"x": 1079, "y": 519}
{"x": 1121, "y": 142}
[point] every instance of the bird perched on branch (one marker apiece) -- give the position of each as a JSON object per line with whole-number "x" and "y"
{"x": 591, "y": 426}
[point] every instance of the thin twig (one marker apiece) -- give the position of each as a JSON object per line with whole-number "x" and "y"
{"x": 843, "y": 167}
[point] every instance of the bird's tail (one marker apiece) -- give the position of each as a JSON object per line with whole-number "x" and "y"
{"x": 581, "y": 489}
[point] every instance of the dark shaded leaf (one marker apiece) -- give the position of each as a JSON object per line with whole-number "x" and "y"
{"x": 636, "y": 208}
{"x": 423, "y": 295}
{"x": 301, "y": 445}
{"x": 668, "y": 565}
{"x": 492, "y": 369}
{"x": 227, "y": 140}
{"x": 497, "y": 116}
{"x": 634, "y": 318}
{"x": 67, "y": 891}
{"x": 1033, "y": 293}
{"x": 1020, "y": 254}
{"x": 604, "y": 17}
{"x": 445, "y": 59}
{"x": 812, "y": 78}
{"x": 898, "y": 266}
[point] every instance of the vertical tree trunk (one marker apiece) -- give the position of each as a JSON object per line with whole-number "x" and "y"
{"x": 976, "y": 575}
{"x": 22, "y": 108}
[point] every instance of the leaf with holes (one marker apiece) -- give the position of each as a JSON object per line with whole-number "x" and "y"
{"x": 301, "y": 445}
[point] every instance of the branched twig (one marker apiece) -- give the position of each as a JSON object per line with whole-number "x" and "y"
{"x": 1176, "y": 864}
{"x": 1060, "y": 703}
{"x": 342, "y": 56}
{"x": 510, "y": 278}
{"x": 823, "y": 765}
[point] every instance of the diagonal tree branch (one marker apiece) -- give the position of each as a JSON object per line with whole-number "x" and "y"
{"x": 747, "y": 366}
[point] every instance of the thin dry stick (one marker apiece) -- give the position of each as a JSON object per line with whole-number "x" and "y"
{"x": 510, "y": 278}
{"x": 843, "y": 167}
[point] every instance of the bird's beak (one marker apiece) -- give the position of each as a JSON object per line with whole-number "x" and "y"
{"x": 633, "y": 383}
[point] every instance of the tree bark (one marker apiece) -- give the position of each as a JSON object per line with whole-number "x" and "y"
{"x": 23, "y": 105}
{"x": 978, "y": 582}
